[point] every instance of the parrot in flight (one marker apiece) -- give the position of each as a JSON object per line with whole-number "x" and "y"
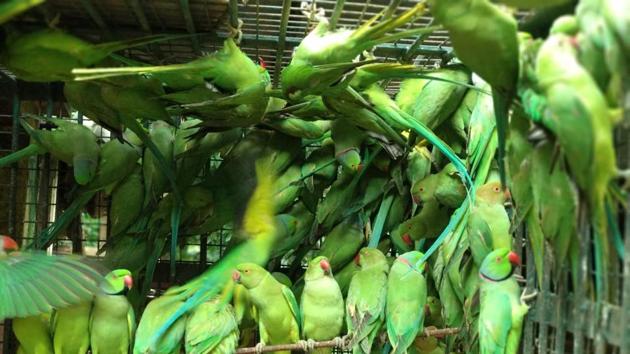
{"x": 321, "y": 304}
{"x": 278, "y": 311}
{"x": 51, "y": 281}
{"x": 503, "y": 309}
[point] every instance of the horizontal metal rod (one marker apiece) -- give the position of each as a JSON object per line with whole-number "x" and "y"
{"x": 337, "y": 343}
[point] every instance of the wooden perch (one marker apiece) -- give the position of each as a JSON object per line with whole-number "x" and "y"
{"x": 335, "y": 343}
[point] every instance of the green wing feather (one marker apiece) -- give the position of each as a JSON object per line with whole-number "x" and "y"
{"x": 295, "y": 308}
{"x": 34, "y": 283}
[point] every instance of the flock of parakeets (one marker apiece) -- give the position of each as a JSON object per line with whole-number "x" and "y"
{"x": 331, "y": 170}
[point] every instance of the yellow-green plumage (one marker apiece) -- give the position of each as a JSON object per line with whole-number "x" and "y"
{"x": 33, "y": 334}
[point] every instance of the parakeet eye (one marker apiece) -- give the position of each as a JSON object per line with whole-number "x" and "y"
{"x": 497, "y": 189}
{"x": 498, "y": 259}
{"x": 421, "y": 189}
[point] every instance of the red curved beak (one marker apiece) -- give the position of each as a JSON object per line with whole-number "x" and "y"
{"x": 325, "y": 265}
{"x": 128, "y": 281}
{"x": 514, "y": 258}
{"x": 357, "y": 260}
{"x": 9, "y": 244}
{"x": 236, "y": 276}
{"x": 359, "y": 167}
{"x": 262, "y": 62}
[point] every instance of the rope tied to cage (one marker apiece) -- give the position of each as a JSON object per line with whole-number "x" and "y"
{"x": 339, "y": 342}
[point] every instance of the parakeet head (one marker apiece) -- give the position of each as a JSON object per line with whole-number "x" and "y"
{"x": 371, "y": 257}
{"x": 350, "y": 159}
{"x": 422, "y": 191}
{"x": 499, "y": 265}
{"x": 493, "y": 193}
{"x": 249, "y": 275}
{"x": 318, "y": 267}
{"x": 117, "y": 282}
{"x": 7, "y": 245}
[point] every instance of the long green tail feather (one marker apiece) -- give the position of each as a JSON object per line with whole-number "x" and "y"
{"x": 380, "y": 220}
{"x": 501, "y": 103}
{"x": 28, "y": 151}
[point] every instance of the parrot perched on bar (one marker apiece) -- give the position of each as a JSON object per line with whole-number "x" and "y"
{"x": 323, "y": 60}
{"x": 70, "y": 328}
{"x": 51, "y": 54}
{"x": 365, "y": 305}
{"x": 406, "y": 299}
{"x": 488, "y": 223}
{"x": 342, "y": 243}
{"x": 155, "y": 314}
{"x": 278, "y": 312}
{"x": 344, "y": 276}
{"x": 112, "y": 321}
{"x": 503, "y": 308}
{"x": 69, "y": 142}
{"x": 321, "y": 304}
{"x": 33, "y": 334}
{"x": 212, "y": 328}
{"x": 51, "y": 281}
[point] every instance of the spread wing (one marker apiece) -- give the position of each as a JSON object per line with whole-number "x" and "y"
{"x": 34, "y": 283}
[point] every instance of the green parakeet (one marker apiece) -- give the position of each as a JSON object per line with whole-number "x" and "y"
{"x": 497, "y": 63}
{"x": 158, "y": 311}
{"x": 365, "y": 305}
{"x": 488, "y": 223}
{"x": 259, "y": 230}
{"x": 282, "y": 279}
{"x": 408, "y": 93}
{"x": 321, "y": 304}
{"x": 126, "y": 202}
{"x": 70, "y": 328}
{"x": 51, "y": 281}
{"x": 348, "y": 139}
{"x": 69, "y": 142}
{"x": 342, "y": 243}
{"x": 86, "y": 98}
{"x": 51, "y": 54}
{"x": 113, "y": 322}
{"x": 580, "y": 118}
{"x": 33, "y": 334}
{"x": 155, "y": 182}
{"x": 324, "y": 57}
{"x": 278, "y": 311}
{"x": 345, "y": 275}
{"x": 502, "y": 308}
{"x": 406, "y": 299}
{"x": 212, "y": 328}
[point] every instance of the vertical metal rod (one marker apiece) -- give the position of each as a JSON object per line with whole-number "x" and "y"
{"x": 393, "y": 6}
{"x": 528, "y": 335}
{"x": 561, "y": 312}
{"x": 233, "y": 10}
{"x": 190, "y": 24}
{"x": 284, "y": 22}
{"x": 580, "y": 295}
{"x": 15, "y": 140}
{"x": 334, "y": 18}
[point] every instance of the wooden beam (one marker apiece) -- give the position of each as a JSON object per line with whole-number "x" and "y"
{"x": 286, "y": 11}
{"x": 137, "y": 9}
{"x": 190, "y": 24}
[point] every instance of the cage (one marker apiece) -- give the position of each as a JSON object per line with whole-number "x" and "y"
{"x": 34, "y": 192}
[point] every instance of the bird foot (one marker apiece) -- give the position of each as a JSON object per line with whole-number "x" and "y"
{"x": 312, "y": 12}
{"x": 237, "y": 32}
{"x": 520, "y": 279}
{"x": 307, "y": 345}
{"x": 527, "y": 297}
{"x": 259, "y": 348}
{"x": 342, "y": 342}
